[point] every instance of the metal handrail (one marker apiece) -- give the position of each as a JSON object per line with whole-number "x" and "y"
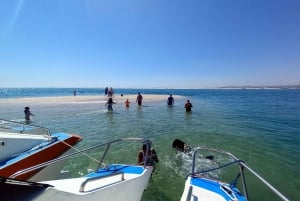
{"x": 242, "y": 165}
{"x": 265, "y": 182}
{"x": 25, "y": 125}
{"x": 24, "y": 171}
{"x": 81, "y": 189}
{"x": 216, "y": 168}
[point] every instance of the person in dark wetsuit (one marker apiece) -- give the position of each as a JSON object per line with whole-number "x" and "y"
{"x": 139, "y": 99}
{"x": 109, "y": 104}
{"x": 188, "y": 106}
{"x": 27, "y": 113}
{"x": 106, "y": 91}
{"x": 170, "y": 101}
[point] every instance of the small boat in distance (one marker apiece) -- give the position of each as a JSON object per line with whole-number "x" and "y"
{"x": 117, "y": 182}
{"x": 204, "y": 184}
{"x": 23, "y": 146}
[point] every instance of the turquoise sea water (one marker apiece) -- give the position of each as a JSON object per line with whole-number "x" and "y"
{"x": 262, "y": 127}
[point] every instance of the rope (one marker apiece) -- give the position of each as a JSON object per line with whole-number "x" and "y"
{"x": 228, "y": 191}
{"x": 216, "y": 168}
{"x": 72, "y": 147}
{"x": 234, "y": 182}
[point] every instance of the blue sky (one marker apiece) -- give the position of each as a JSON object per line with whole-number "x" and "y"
{"x": 149, "y": 43}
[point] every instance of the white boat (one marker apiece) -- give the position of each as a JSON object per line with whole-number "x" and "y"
{"x": 23, "y": 146}
{"x": 203, "y": 182}
{"x": 116, "y": 182}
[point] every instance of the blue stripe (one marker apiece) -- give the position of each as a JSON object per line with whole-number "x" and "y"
{"x": 214, "y": 186}
{"x": 21, "y": 128}
{"x": 115, "y": 168}
{"x": 33, "y": 150}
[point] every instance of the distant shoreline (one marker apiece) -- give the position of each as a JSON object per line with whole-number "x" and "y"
{"x": 262, "y": 87}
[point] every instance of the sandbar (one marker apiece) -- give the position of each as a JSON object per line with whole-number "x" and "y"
{"x": 87, "y": 98}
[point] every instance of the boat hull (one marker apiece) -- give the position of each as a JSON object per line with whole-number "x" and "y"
{"x": 15, "y": 143}
{"x": 197, "y": 188}
{"x": 117, "y": 183}
{"x": 108, "y": 185}
{"x": 41, "y": 153}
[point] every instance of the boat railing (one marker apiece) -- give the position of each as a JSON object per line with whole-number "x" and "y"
{"x": 90, "y": 179}
{"x": 83, "y": 151}
{"x": 242, "y": 166}
{"x": 23, "y": 128}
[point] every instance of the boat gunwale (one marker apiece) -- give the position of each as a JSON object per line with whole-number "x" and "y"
{"x": 23, "y": 127}
{"x": 82, "y": 151}
{"x": 242, "y": 166}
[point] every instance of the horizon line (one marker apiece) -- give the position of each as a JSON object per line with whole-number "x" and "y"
{"x": 220, "y": 87}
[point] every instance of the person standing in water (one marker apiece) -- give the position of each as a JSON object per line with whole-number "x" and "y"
{"x": 170, "y": 101}
{"x": 188, "y": 106}
{"x": 139, "y": 99}
{"x": 110, "y": 92}
{"x": 127, "y": 103}
{"x": 105, "y": 91}
{"x": 27, "y": 113}
{"x": 109, "y": 104}
{"x": 150, "y": 156}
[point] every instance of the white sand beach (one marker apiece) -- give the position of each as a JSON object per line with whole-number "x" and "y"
{"x": 91, "y": 98}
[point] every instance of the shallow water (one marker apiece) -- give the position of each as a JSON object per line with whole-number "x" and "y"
{"x": 262, "y": 127}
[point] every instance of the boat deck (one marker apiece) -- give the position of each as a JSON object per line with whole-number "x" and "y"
{"x": 104, "y": 177}
{"x": 203, "y": 188}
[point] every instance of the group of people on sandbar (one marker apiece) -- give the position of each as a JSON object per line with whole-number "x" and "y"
{"x": 109, "y": 91}
{"x": 110, "y": 102}
{"x": 139, "y": 99}
{"x": 188, "y": 105}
